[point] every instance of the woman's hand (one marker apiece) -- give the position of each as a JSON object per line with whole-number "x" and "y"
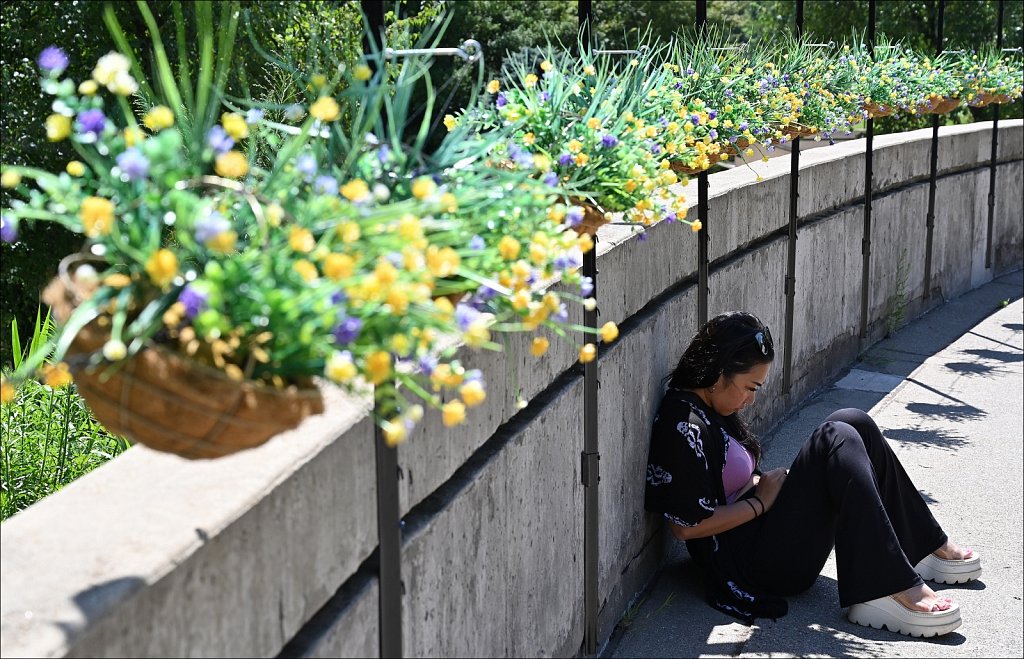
{"x": 769, "y": 485}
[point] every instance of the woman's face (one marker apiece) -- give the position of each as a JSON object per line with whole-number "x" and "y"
{"x": 732, "y": 394}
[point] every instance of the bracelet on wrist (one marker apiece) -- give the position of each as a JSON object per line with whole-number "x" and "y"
{"x": 747, "y": 501}
{"x": 758, "y": 499}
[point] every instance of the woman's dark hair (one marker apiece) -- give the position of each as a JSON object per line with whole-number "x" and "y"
{"x": 730, "y": 343}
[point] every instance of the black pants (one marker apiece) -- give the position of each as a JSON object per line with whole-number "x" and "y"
{"x": 846, "y": 489}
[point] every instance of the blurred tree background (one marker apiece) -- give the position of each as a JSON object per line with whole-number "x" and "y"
{"x": 315, "y": 34}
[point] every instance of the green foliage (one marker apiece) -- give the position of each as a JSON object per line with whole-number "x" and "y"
{"x": 49, "y": 437}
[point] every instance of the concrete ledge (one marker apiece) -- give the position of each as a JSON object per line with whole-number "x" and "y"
{"x": 151, "y": 555}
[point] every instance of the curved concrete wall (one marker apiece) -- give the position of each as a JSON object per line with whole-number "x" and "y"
{"x": 271, "y": 552}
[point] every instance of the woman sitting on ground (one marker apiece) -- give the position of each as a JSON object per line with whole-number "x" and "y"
{"x": 760, "y": 536}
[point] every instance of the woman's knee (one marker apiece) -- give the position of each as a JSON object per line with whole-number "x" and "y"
{"x": 859, "y": 420}
{"x": 832, "y": 434}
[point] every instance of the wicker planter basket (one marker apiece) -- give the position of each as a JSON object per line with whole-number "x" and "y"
{"x": 593, "y": 217}
{"x": 875, "y": 110}
{"x": 798, "y": 130}
{"x": 941, "y": 106}
{"x": 174, "y": 404}
{"x": 985, "y": 98}
{"x": 683, "y": 168}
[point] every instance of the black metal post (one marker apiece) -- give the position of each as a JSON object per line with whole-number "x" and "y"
{"x": 590, "y": 458}
{"x": 389, "y": 574}
{"x": 930, "y": 218}
{"x": 865, "y": 247}
{"x": 995, "y": 153}
{"x": 703, "y": 285}
{"x": 794, "y": 195}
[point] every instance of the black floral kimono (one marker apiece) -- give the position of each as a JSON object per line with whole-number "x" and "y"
{"x": 689, "y": 443}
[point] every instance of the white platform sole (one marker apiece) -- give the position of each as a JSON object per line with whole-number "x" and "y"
{"x": 939, "y": 570}
{"x": 888, "y": 613}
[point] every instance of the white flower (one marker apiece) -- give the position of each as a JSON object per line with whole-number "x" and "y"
{"x": 590, "y": 304}
{"x": 381, "y": 192}
{"x": 109, "y": 66}
{"x": 114, "y": 350}
{"x": 123, "y": 84}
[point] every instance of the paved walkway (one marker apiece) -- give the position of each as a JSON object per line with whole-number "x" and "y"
{"x": 948, "y": 392}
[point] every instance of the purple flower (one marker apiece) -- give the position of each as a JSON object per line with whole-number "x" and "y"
{"x": 678, "y": 85}
{"x": 8, "y": 229}
{"x": 485, "y": 293}
{"x": 713, "y": 133}
{"x": 133, "y": 165}
{"x": 565, "y": 159}
{"x": 476, "y": 243}
{"x": 545, "y": 97}
{"x": 695, "y": 119}
{"x": 53, "y": 60}
{"x": 254, "y": 116}
{"x": 306, "y": 165}
{"x": 551, "y": 179}
{"x": 712, "y": 114}
{"x": 210, "y": 226}
{"x": 194, "y": 300}
{"x": 574, "y": 216}
{"x": 670, "y": 217}
{"x": 656, "y": 149}
{"x": 501, "y": 101}
{"x": 339, "y": 297}
{"x": 728, "y": 93}
{"x": 562, "y": 315}
{"x": 465, "y": 315}
{"x": 347, "y": 330}
{"x": 427, "y": 364}
{"x": 219, "y": 140}
{"x": 744, "y": 125}
{"x": 608, "y": 141}
{"x": 642, "y": 237}
{"x": 383, "y": 153}
{"x": 586, "y": 286}
{"x": 325, "y": 185}
{"x": 473, "y": 375}
{"x": 91, "y": 121}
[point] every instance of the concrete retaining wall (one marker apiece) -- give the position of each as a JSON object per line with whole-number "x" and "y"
{"x": 270, "y": 552}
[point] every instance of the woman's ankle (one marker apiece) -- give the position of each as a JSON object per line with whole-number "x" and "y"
{"x": 950, "y": 551}
{"x": 922, "y": 598}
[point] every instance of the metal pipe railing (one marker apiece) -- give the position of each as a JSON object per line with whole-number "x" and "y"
{"x": 794, "y": 195}
{"x": 995, "y": 147}
{"x": 933, "y": 172}
{"x": 865, "y": 248}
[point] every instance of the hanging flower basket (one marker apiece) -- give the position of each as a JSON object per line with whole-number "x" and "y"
{"x": 171, "y": 403}
{"x": 985, "y": 98}
{"x": 939, "y": 106}
{"x": 593, "y": 218}
{"x": 798, "y": 130}
{"x": 683, "y": 168}
{"x": 875, "y": 110}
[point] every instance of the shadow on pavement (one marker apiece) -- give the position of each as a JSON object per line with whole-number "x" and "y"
{"x": 942, "y": 439}
{"x": 995, "y": 355}
{"x": 950, "y": 412}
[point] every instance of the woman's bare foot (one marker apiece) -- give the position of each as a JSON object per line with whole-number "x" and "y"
{"x": 923, "y": 598}
{"x": 953, "y": 552}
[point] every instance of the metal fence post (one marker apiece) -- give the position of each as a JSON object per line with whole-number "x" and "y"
{"x": 703, "y": 259}
{"x": 794, "y": 195}
{"x": 930, "y": 218}
{"x": 995, "y": 146}
{"x": 865, "y": 248}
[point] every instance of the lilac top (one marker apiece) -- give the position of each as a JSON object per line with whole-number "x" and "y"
{"x": 739, "y": 465}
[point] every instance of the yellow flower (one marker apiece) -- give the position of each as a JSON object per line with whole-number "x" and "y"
{"x": 97, "y": 215}
{"x": 448, "y": 202}
{"x": 589, "y": 70}
{"x": 232, "y": 164}
{"x": 477, "y": 334}
{"x": 324, "y": 108}
{"x": 530, "y": 80}
{"x": 88, "y": 87}
{"x": 362, "y": 72}
{"x": 162, "y": 267}
{"x": 546, "y": 66}
{"x": 234, "y": 125}
{"x": 355, "y": 190}
{"x": 586, "y": 243}
{"x": 581, "y": 159}
{"x": 348, "y": 232}
{"x": 442, "y": 262}
{"x": 378, "y": 366}
{"x": 338, "y": 266}
{"x": 574, "y": 146}
{"x": 609, "y": 332}
{"x": 588, "y": 353}
{"x": 473, "y": 393}
{"x": 696, "y": 226}
{"x": 274, "y": 214}
{"x": 55, "y": 375}
{"x": 158, "y": 118}
{"x": 423, "y": 187}
{"x": 340, "y": 367}
{"x": 58, "y": 127}
{"x": 529, "y": 139}
{"x": 394, "y": 432}
{"x": 75, "y": 168}
{"x": 453, "y": 413}
{"x": 223, "y": 242}
{"x": 7, "y": 390}
{"x": 305, "y": 269}
{"x": 450, "y": 122}
{"x": 493, "y": 86}
{"x": 10, "y": 179}
{"x": 540, "y": 346}
{"x": 301, "y": 240}
{"x": 509, "y": 248}
{"x": 593, "y": 123}
{"x": 132, "y": 136}
{"x": 114, "y": 351}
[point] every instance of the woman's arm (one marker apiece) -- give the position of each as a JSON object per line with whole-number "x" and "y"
{"x": 724, "y": 518}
